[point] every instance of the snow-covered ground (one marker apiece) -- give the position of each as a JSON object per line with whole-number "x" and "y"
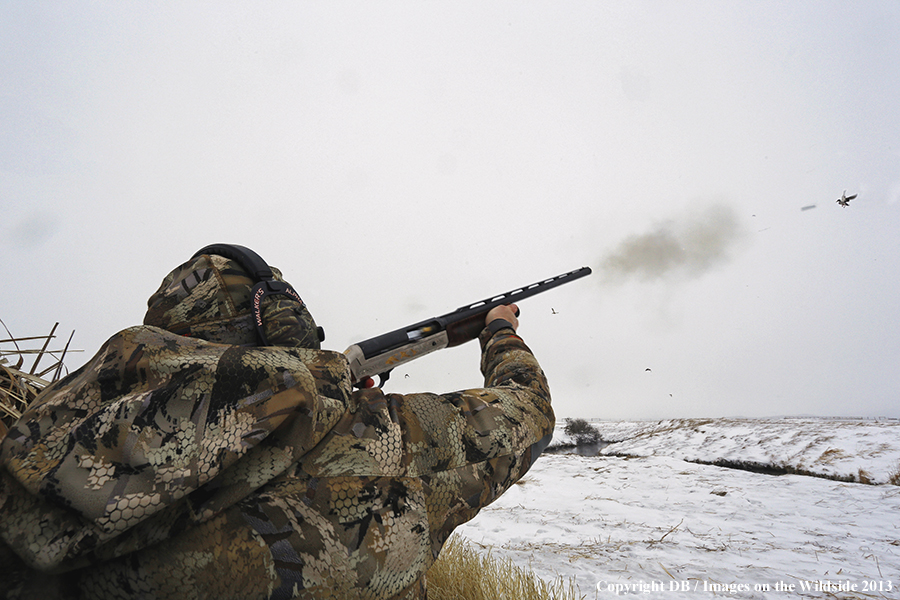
{"x": 652, "y": 525}
{"x": 844, "y": 448}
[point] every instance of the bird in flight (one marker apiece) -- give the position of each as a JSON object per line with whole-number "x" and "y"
{"x": 844, "y": 200}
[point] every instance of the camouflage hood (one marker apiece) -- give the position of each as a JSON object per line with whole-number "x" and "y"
{"x": 160, "y": 431}
{"x": 210, "y": 297}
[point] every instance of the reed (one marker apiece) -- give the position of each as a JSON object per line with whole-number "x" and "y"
{"x": 20, "y": 383}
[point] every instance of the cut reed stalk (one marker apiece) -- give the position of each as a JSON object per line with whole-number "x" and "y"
{"x": 18, "y": 386}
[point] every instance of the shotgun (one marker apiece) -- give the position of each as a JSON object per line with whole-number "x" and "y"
{"x": 381, "y": 354}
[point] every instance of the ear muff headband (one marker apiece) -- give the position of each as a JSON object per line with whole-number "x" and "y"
{"x": 266, "y": 284}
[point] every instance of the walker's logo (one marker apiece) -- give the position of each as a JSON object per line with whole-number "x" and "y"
{"x": 257, "y": 298}
{"x": 260, "y": 292}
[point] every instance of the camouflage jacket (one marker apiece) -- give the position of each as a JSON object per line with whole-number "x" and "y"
{"x": 171, "y": 467}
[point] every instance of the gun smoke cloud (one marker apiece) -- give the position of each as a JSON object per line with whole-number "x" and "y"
{"x": 683, "y": 248}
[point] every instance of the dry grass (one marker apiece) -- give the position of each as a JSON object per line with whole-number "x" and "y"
{"x": 894, "y": 476}
{"x": 462, "y": 573}
{"x": 864, "y": 476}
{"x": 830, "y": 456}
{"x": 18, "y": 386}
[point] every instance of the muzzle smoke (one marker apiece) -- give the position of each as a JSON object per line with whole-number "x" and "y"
{"x": 685, "y": 248}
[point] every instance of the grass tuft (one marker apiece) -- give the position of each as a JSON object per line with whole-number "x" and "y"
{"x": 864, "y": 476}
{"x": 462, "y": 573}
{"x": 831, "y": 455}
{"x": 894, "y": 476}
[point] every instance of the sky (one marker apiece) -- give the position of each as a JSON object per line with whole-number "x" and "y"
{"x": 398, "y": 160}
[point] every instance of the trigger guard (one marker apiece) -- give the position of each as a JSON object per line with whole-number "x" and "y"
{"x": 383, "y": 377}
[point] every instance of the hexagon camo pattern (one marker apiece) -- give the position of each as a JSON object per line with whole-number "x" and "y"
{"x": 153, "y": 418}
{"x": 361, "y": 493}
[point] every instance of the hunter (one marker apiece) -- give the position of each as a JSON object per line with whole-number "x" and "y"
{"x": 216, "y": 451}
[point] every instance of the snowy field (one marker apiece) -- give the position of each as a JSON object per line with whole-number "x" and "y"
{"x": 653, "y": 525}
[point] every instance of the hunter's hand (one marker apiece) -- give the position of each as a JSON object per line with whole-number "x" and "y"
{"x": 507, "y": 312}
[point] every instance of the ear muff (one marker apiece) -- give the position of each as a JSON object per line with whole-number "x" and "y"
{"x": 266, "y": 284}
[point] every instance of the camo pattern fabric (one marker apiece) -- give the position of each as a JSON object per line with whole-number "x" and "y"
{"x": 158, "y": 421}
{"x": 362, "y": 514}
{"x": 210, "y": 297}
{"x": 180, "y": 468}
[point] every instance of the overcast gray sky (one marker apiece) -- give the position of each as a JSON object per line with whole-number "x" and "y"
{"x": 397, "y": 160}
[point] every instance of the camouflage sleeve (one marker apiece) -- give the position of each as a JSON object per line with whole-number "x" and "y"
{"x": 460, "y": 450}
{"x": 505, "y": 359}
{"x": 501, "y": 430}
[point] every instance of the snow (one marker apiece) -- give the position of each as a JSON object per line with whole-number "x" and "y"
{"x": 828, "y": 447}
{"x": 652, "y": 525}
